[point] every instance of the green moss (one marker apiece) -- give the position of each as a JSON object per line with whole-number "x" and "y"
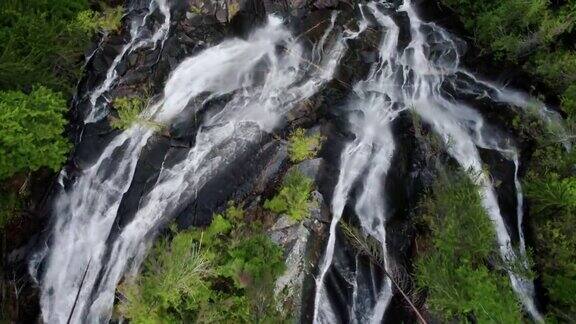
{"x": 302, "y": 147}
{"x": 455, "y": 270}
{"x": 224, "y": 273}
{"x": 293, "y": 198}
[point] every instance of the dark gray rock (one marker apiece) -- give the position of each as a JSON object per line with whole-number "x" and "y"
{"x": 309, "y": 168}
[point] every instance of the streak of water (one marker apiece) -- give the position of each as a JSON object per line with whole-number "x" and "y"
{"x": 462, "y": 129}
{"x": 371, "y": 151}
{"x": 99, "y": 111}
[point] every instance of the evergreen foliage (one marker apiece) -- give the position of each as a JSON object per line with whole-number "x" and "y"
{"x": 107, "y": 21}
{"x": 42, "y": 41}
{"x": 293, "y": 198}
{"x": 554, "y": 203}
{"x": 537, "y": 35}
{"x": 220, "y": 274}
{"x": 31, "y": 128}
{"x": 455, "y": 270}
{"x": 9, "y": 206}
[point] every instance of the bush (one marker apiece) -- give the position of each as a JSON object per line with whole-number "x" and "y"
{"x": 107, "y": 21}
{"x": 455, "y": 271}
{"x": 174, "y": 278}
{"x": 569, "y": 101}
{"x": 129, "y": 113}
{"x": 529, "y": 32}
{"x": 302, "y": 147}
{"x": 293, "y": 197}
{"x": 31, "y": 128}
{"x": 40, "y": 42}
{"x": 553, "y": 196}
{"x": 554, "y": 203}
{"x": 223, "y": 273}
{"x": 557, "y": 68}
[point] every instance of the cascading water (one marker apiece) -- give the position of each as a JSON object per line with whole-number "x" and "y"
{"x": 260, "y": 80}
{"x": 86, "y": 261}
{"x": 413, "y": 78}
{"x": 137, "y": 28}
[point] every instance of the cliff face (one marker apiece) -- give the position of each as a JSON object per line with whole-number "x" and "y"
{"x": 259, "y": 164}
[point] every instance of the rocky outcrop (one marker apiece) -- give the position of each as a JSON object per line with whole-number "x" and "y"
{"x": 295, "y": 238}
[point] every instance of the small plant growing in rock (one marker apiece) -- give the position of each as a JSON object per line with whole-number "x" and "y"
{"x": 129, "y": 110}
{"x": 302, "y": 147}
{"x": 293, "y": 198}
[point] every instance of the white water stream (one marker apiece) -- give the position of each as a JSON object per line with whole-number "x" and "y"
{"x": 137, "y": 28}
{"x": 412, "y": 79}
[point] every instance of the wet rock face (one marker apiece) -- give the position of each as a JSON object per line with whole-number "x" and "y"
{"x": 300, "y": 241}
{"x": 199, "y": 24}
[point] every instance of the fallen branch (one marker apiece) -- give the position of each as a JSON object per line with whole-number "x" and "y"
{"x": 363, "y": 245}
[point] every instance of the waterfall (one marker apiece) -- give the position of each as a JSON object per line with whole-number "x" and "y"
{"x": 413, "y": 79}
{"x": 256, "y": 81}
{"x": 85, "y": 260}
{"x": 137, "y": 28}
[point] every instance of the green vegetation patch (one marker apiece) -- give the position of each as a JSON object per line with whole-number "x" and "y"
{"x": 303, "y": 147}
{"x": 455, "y": 269}
{"x": 293, "y": 198}
{"x": 31, "y": 128}
{"x": 224, "y": 273}
{"x": 554, "y": 203}
{"x": 130, "y": 112}
{"x": 42, "y": 41}
{"x": 536, "y": 34}
{"x": 109, "y": 20}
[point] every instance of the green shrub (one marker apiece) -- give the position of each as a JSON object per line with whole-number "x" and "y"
{"x": 302, "y": 147}
{"x": 293, "y": 198}
{"x": 129, "y": 113}
{"x": 569, "y": 101}
{"x": 455, "y": 270}
{"x": 107, "y": 21}
{"x": 552, "y": 196}
{"x": 174, "y": 278}
{"x": 31, "y": 128}
{"x": 253, "y": 258}
{"x": 224, "y": 273}
{"x": 554, "y": 203}
{"x": 524, "y": 31}
{"x": 40, "y": 42}
{"x": 557, "y": 68}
